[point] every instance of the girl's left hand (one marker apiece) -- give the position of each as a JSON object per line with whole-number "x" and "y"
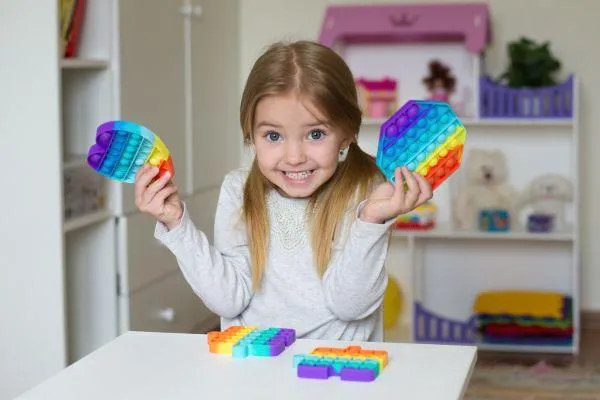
{"x": 391, "y": 200}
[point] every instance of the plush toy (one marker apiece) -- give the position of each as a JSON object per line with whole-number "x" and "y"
{"x": 486, "y": 188}
{"x": 548, "y": 195}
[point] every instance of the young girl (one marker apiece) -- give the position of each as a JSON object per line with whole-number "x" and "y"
{"x": 300, "y": 238}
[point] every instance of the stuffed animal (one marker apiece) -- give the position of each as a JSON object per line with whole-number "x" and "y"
{"x": 486, "y": 188}
{"x": 548, "y": 195}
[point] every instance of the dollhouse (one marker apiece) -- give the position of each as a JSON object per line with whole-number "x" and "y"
{"x": 437, "y": 51}
{"x": 377, "y": 97}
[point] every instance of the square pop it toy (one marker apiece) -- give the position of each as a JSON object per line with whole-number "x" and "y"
{"x": 426, "y": 137}
{"x": 123, "y": 147}
{"x": 350, "y": 364}
{"x": 244, "y": 341}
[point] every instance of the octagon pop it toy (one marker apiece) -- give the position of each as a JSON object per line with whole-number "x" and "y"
{"x": 351, "y": 363}
{"x": 426, "y": 137}
{"x": 244, "y": 341}
{"x": 123, "y": 147}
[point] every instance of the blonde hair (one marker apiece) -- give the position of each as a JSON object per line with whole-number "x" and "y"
{"x": 318, "y": 73}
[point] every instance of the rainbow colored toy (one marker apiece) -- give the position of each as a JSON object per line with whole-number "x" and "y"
{"x": 426, "y": 137}
{"x": 244, "y": 341}
{"x": 122, "y": 147}
{"x": 350, "y": 364}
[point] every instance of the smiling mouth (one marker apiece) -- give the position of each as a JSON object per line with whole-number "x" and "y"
{"x": 298, "y": 175}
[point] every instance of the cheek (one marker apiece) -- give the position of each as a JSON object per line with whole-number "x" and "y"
{"x": 326, "y": 156}
{"x": 266, "y": 155}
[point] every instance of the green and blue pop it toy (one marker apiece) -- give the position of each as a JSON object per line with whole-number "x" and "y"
{"x": 426, "y": 137}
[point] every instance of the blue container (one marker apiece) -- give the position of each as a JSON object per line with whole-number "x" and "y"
{"x": 494, "y": 220}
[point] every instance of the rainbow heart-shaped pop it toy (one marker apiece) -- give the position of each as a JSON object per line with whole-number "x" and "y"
{"x": 426, "y": 137}
{"x": 123, "y": 147}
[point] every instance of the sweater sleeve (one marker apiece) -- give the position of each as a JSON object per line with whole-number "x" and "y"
{"x": 220, "y": 274}
{"x": 356, "y": 279}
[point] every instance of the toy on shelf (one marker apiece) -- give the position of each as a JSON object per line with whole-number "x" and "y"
{"x": 377, "y": 98}
{"x": 123, "y": 147}
{"x": 84, "y": 192}
{"x": 440, "y": 82}
{"x": 524, "y": 317}
{"x": 72, "y": 13}
{"x": 421, "y": 218}
{"x": 540, "y": 223}
{"x": 527, "y": 88}
{"x": 426, "y": 137}
{"x": 494, "y": 221}
{"x": 392, "y": 303}
{"x": 350, "y": 364}
{"x": 243, "y": 341}
{"x": 548, "y": 196}
{"x": 429, "y": 327}
{"x": 486, "y": 188}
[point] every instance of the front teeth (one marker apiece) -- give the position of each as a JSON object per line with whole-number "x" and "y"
{"x": 298, "y": 175}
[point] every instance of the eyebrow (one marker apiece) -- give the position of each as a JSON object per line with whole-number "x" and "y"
{"x": 274, "y": 125}
{"x": 268, "y": 123}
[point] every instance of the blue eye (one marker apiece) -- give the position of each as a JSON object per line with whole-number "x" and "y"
{"x": 272, "y": 136}
{"x": 316, "y": 134}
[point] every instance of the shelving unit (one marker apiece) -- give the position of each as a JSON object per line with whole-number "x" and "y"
{"x": 442, "y": 270}
{"x": 118, "y": 278}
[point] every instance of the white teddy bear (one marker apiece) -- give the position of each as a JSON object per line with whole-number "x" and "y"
{"x": 548, "y": 194}
{"x": 486, "y": 188}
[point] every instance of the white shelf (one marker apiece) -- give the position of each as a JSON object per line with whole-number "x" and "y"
{"x": 85, "y": 64}
{"x": 445, "y": 231}
{"x": 567, "y": 349}
{"x": 86, "y": 220}
{"x": 507, "y": 122}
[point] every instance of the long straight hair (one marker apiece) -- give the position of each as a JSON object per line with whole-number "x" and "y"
{"x": 318, "y": 74}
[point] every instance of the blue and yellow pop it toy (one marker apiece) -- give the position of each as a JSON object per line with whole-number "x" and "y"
{"x": 123, "y": 147}
{"x": 425, "y": 136}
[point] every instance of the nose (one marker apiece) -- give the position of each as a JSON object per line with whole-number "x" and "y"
{"x": 294, "y": 153}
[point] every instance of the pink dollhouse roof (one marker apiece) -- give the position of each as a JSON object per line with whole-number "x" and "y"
{"x": 382, "y": 84}
{"x": 450, "y": 22}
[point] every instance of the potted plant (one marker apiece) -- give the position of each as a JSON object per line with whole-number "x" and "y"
{"x": 531, "y": 66}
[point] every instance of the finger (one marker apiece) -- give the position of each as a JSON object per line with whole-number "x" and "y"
{"x": 161, "y": 196}
{"x": 424, "y": 187}
{"x": 398, "y": 196}
{"x": 413, "y": 188}
{"x": 154, "y": 187}
{"x": 143, "y": 177}
{"x": 141, "y": 171}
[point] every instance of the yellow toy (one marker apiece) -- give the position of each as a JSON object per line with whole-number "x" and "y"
{"x": 392, "y": 304}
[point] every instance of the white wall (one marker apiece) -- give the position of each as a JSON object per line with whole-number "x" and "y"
{"x": 264, "y": 21}
{"x": 31, "y": 278}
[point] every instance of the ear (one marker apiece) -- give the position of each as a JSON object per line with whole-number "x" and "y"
{"x": 346, "y": 142}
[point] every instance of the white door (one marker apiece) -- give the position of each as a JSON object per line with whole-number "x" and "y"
{"x": 151, "y": 76}
{"x": 216, "y": 135}
{"x": 154, "y": 294}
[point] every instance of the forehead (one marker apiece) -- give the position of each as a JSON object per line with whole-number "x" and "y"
{"x": 288, "y": 109}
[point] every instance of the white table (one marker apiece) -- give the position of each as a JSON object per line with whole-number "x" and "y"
{"x": 142, "y": 365}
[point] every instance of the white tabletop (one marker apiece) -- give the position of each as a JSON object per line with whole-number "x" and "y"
{"x": 142, "y": 365}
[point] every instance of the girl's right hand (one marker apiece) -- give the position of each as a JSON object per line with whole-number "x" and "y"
{"x": 158, "y": 198}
